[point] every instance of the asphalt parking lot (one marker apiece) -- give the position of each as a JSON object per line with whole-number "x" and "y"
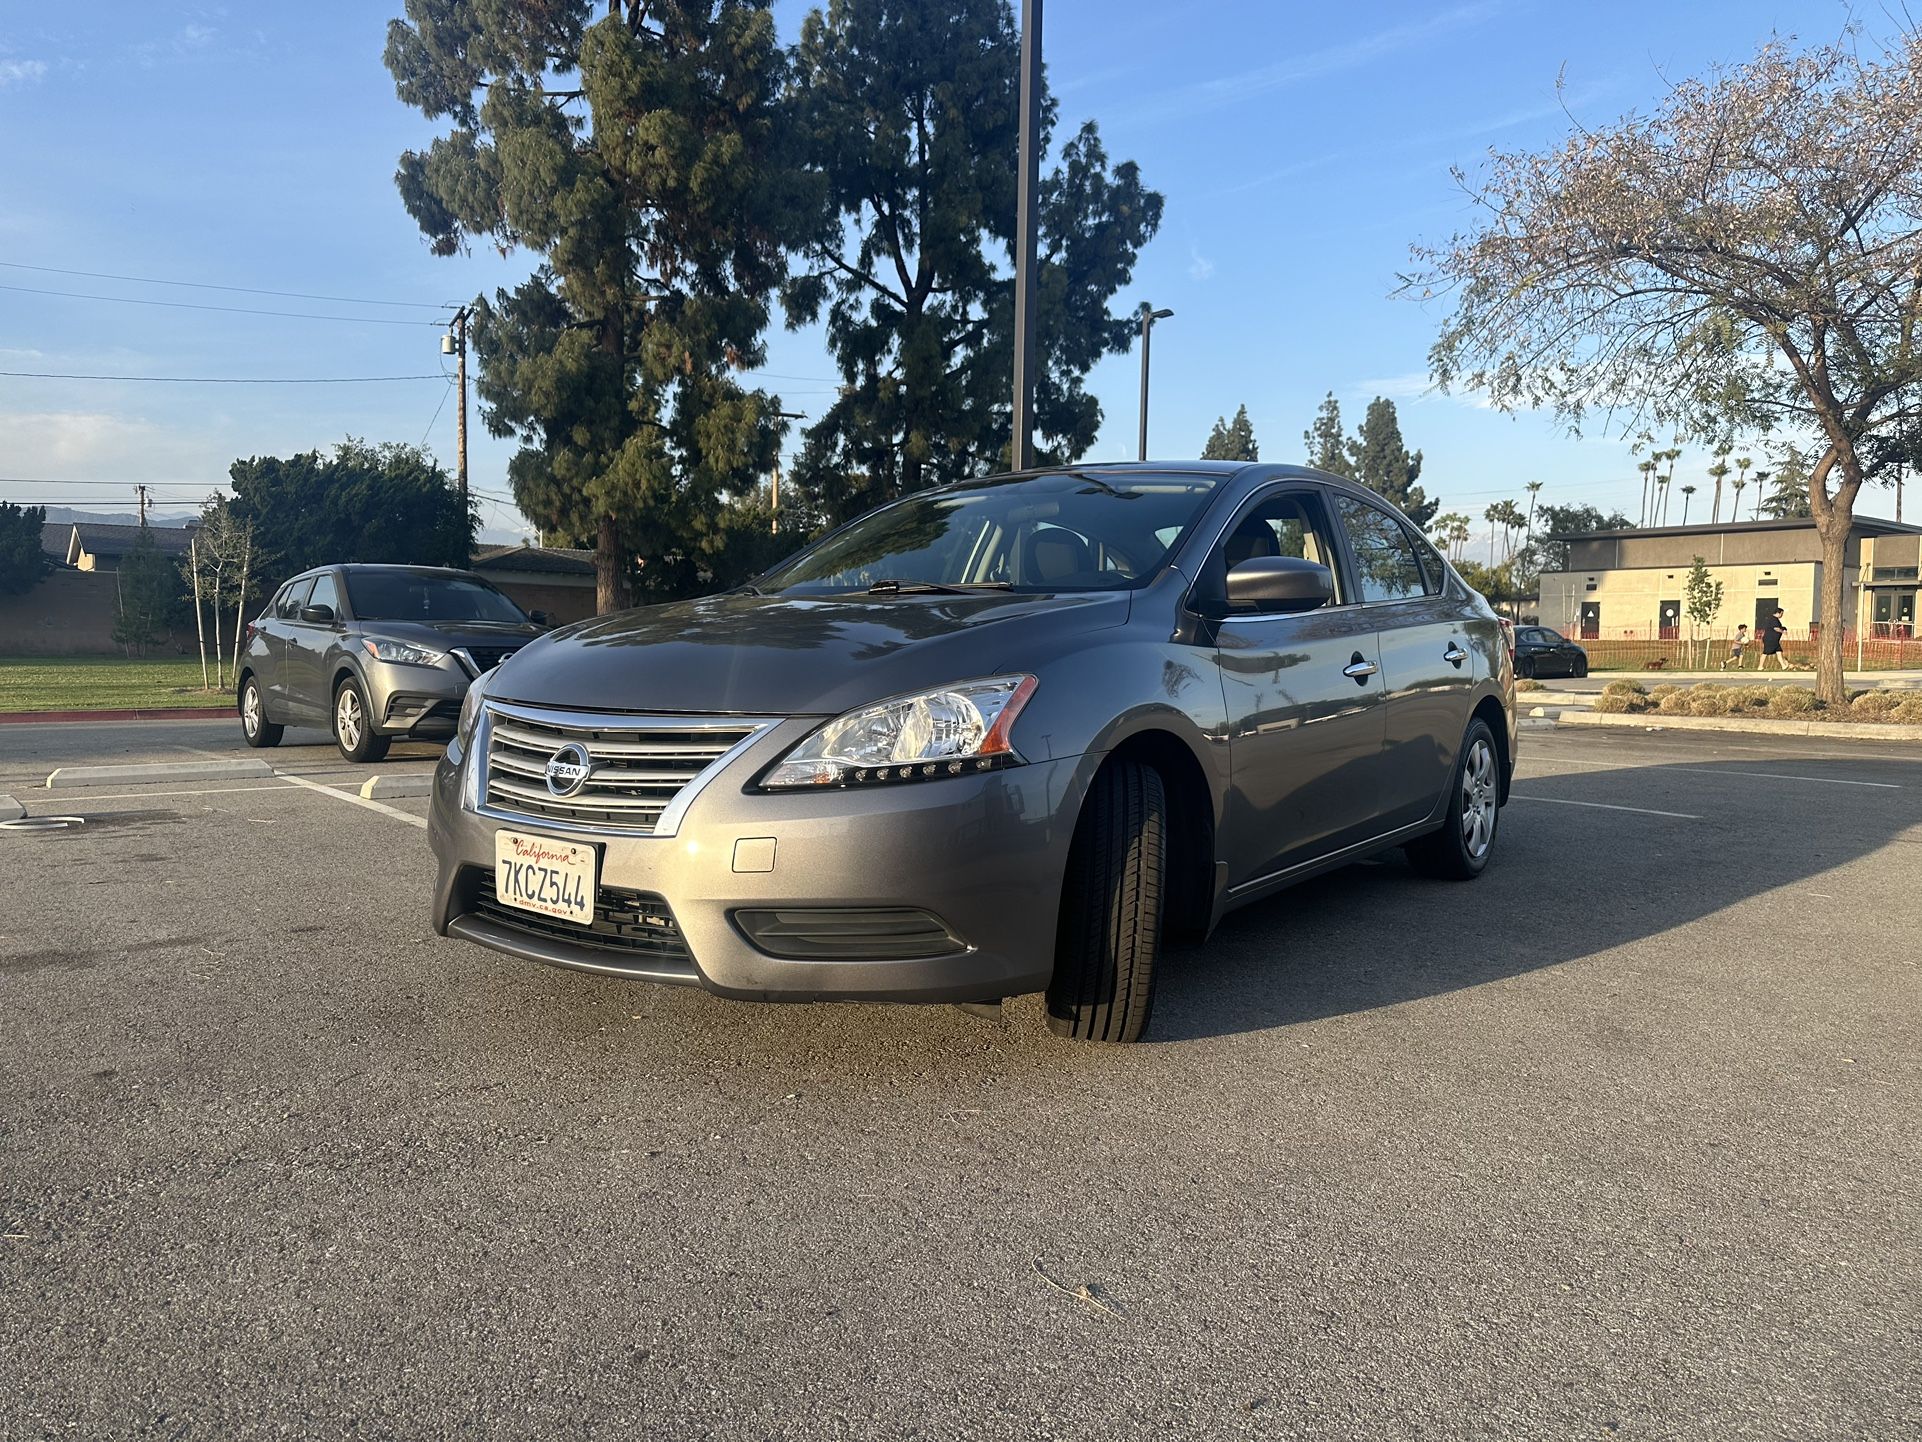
{"x": 1621, "y": 1141}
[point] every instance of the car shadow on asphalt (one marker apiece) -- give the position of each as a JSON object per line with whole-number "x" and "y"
{"x": 1567, "y": 882}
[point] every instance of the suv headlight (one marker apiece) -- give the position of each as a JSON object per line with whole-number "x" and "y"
{"x": 403, "y": 652}
{"x": 470, "y": 709}
{"x": 948, "y": 731}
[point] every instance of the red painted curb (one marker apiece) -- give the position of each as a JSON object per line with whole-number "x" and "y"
{"x": 177, "y": 713}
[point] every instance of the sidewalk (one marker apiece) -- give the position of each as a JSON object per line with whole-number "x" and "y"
{"x": 1860, "y": 680}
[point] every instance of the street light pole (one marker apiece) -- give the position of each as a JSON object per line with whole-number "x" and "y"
{"x": 1025, "y": 223}
{"x": 456, "y": 341}
{"x": 1149, "y": 315}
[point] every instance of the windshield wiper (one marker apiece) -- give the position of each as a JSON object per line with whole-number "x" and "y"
{"x": 893, "y": 587}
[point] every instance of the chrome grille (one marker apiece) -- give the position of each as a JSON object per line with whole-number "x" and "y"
{"x": 640, "y": 764}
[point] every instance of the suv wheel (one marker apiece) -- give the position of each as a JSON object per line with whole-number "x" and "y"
{"x": 1460, "y": 850}
{"x": 353, "y": 726}
{"x": 1110, "y": 926}
{"x": 254, "y": 724}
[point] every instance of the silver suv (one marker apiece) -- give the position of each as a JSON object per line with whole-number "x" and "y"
{"x": 373, "y": 652}
{"x": 996, "y": 738}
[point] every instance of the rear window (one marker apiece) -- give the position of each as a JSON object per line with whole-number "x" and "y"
{"x": 414, "y": 596}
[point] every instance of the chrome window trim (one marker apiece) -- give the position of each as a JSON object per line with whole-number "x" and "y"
{"x": 667, "y": 826}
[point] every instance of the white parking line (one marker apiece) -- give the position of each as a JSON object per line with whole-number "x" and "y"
{"x": 1604, "y": 806}
{"x": 1717, "y": 771}
{"x": 353, "y": 800}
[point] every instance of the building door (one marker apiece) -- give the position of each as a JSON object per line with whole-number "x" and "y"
{"x": 1670, "y": 620}
{"x": 1591, "y": 627}
{"x": 1894, "y": 613}
{"x": 1764, "y": 608}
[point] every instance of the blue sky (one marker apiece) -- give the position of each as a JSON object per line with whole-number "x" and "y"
{"x": 1302, "y": 148}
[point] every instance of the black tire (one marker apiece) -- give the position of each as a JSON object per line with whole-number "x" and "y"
{"x": 254, "y": 725}
{"x": 1460, "y": 850}
{"x": 1581, "y": 669}
{"x": 1111, "y": 909}
{"x": 1524, "y": 669}
{"x": 353, "y": 724}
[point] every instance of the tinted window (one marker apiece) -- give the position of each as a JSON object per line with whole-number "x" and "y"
{"x": 292, "y": 599}
{"x": 1553, "y": 638}
{"x": 1434, "y": 569}
{"x": 1073, "y": 532}
{"x": 325, "y": 593}
{"x": 1292, "y": 524}
{"x": 417, "y": 596}
{"x": 1385, "y": 560}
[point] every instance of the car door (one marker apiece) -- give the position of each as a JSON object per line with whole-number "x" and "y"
{"x": 1561, "y": 655}
{"x": 1428, "y": 667}
{"x": 1304, "y": 702}
{"x": 309, "y": 689}
{"x": 273, "y": 628}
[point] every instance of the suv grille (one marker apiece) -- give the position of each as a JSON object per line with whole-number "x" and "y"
{"x": 482, "y": 659}
{"x": 636, "y": 923}
{"x": 638, "y": 770}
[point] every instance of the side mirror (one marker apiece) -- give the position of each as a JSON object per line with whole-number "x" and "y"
{"x": 1280, "y": 583}
{"x": 319, "y": 615}
{"x": 539, "y": 618}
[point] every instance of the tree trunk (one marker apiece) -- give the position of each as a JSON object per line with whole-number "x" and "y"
{"x": 610, "y": 570}
{"x": 1830, "y": 684}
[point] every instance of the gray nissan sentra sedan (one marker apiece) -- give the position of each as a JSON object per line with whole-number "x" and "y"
{"x": 997, "y": 738}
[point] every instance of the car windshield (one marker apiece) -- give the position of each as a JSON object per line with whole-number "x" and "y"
{"x": 1065, "y": 532}
{"x": 412, "y": 596}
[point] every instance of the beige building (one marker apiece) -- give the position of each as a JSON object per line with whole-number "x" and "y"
{"x": 1630, "y": 584}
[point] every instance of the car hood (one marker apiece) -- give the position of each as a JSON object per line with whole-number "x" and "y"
{"x": 445, "y": 635}
{"x": 782, "y": 656}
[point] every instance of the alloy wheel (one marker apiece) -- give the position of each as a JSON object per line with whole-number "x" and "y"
{"x": 250, "y": 709}
{"x": 347, "y": 717}
{"x": 1478, "y": 799}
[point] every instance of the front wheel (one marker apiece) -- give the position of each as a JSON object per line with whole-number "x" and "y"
{"x": 1459, "y": 851}
{"x": 1110, "y": 929}
{"x": 254, "y": 724}
{"x": 1580, "y": 670}
{"x": 353, "y": 726}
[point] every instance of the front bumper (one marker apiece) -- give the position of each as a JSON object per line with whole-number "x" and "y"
{"x": 417, "y": 701}
{"x": 985, "y": 854}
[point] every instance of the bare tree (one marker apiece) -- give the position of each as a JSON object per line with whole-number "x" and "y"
{"x": 1747, "y": 256}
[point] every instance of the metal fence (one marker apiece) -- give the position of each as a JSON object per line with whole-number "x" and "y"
{"x": 1632, "y": 648}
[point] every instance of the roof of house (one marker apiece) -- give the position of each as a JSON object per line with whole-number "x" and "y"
{"x": 56, "y": 537}
{"x": 1862, "y": 525}
{"x": 104, "y": 540}
{"x": 546, "y": 560}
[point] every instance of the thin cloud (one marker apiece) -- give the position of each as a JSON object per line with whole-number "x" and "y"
{"x": 1199, "y": 266}
{"x": 1333, "y": 59}
{"x": 21, "y": 72}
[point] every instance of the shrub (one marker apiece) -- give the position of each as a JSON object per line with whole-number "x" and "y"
{"x": 1709, "y": 701}
{"x": 1529, "y": 685}
{"x": 1749, "y": 698}
{"x": 1792, "y": 701}
{"x": 1907, "y": 712}
{"x": 1624, "y": 688}
{"x": 1872, "y": 705}
{"x": 1663, "y": 691}
{"x": 1674, "y": 704}
{"x": 1613, "y": 703}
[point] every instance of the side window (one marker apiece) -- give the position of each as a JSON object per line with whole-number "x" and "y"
{"x": 292, "y": 599}
{"x": 1385, "y": 560}
{"x": 1434, "y": 569}
{"x": 1291, "y": 524}
{"x": 326, "y": 593}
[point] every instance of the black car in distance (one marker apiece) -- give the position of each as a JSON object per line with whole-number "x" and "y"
{"x": 1542, "y": 652}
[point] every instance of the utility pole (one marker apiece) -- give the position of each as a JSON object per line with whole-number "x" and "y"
{"x": 774, "y": 489}
{"x": 455, "y": 343}
{"x": 1025, "y": 226}
{"x": 1149, "y": 315}
{"x": 140, "y": 495}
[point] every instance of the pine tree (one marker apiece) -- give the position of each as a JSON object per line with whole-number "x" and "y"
{"x": 1232, "y": 440}
{"x": 644, "y": 157}
{"x": 1788, "y": 498}
{"x": 147, "y": 594}
{"x": 1381, "y": 461}
{"x": 909, "y": 116}
{"x": 1325, "y": 441}
{"x": 22, "y": 561}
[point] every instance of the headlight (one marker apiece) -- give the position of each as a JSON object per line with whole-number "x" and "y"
{"x": 950, "y": 731}
{"x": 403, "y": 652}
{"x": 470, "y": 707}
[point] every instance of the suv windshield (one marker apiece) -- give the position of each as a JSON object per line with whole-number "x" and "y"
{"x": 413, "y": 596}
{"x": 1073, "y": 532}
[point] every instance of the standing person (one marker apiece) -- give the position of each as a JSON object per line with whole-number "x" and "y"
{"x": 1772, "y": 631}
{"x": 1736, "y": 648}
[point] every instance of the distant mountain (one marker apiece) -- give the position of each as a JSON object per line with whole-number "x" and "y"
{"x": 66, "y": 516}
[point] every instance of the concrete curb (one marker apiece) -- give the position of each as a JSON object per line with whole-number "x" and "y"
{"x": 383, "y": 788}
{"x": 169, "y": 713}
{"x": 10, "y": 810}
{"x": 1757, "y": 726}
{"x": 159, "y": 771}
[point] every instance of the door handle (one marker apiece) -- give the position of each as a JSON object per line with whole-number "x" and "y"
{"x": 1360, "y": 668}
{"x": 1454, "y": 655}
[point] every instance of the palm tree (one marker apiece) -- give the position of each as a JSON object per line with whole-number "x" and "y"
{"x": 1761, "y": 477}
{"x": 1718, "y": 471}
{"x": 1671, "y": 455}
{"x": 1508, "y": 517}
{"x": 1687, "y": 493}
{"x": 1647, "y": 468}
{"x": 1534, "y": 489}
{"x": 1742, "y": 463}
{"x": 1735, "y": 508}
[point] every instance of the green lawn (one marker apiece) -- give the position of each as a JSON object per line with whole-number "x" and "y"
{"x": 97, "y": 683}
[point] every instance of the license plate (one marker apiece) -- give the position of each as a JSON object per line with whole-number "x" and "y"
{"x": 545, "y": 876}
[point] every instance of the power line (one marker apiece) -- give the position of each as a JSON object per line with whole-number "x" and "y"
{"x": 225, "y": 380}
{"x": 437, "y": 410}
{"x": 206, "y": 285}
{"x": 227, "y": 309}
{"x": 49, "y": 481}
